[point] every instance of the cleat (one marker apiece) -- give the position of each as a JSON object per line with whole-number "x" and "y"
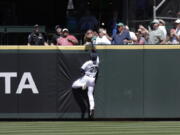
{"x": 91, "y": 114}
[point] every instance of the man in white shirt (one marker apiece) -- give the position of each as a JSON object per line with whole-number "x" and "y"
{"x": 102, "y": 38}
{"x": 156, "y": 35}
{"x": 132, "y": 35}
{"x": 162, "y": 26}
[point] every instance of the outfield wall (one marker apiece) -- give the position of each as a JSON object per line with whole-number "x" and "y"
{"x": 134, "y": 81}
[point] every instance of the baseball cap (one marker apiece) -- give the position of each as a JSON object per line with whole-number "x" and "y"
{"x": 57, "y": 26}
{"x": 93, "y": 56}
{"x": 102, "y": 31}
{"x": 65, "y": 30}
{"x": 127, "y": 27}
{"x": 162, "y": 21}
{"x": 36, "y": 26}
{"x": 120, "y": 24}
{"x": 155, "y": 21}
{"x": 177, "y": 21}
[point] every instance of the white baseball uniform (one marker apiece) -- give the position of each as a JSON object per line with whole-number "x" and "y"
{"x": 88, "y": 80}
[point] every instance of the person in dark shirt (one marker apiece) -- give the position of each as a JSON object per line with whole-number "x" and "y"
{"x": 122, "y": 37}
{"x": 36, "y": 38}
{"x": 57, "y": 35}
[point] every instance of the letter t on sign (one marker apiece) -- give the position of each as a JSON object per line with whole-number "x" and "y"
{"x": 8, "y": 76}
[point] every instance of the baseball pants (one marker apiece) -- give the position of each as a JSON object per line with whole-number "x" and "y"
{"x": 90, "y": 83}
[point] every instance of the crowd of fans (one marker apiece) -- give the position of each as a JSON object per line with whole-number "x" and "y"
{"x": 155, "y": 34}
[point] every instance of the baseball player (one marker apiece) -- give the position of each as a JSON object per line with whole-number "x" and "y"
{"x": 89, "y": 71}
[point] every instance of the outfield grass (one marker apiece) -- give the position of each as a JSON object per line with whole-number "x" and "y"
{"x": 90, "y": 128}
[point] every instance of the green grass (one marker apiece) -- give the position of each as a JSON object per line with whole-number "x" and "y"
{"x": 89, "y": 128}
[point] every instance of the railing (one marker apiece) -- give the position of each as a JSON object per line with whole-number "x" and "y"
{"x": 10, "y": 35}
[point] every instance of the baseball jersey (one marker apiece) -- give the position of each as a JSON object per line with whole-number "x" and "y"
{"x": 91, "y": 68}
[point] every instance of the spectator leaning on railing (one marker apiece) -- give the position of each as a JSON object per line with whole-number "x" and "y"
{"x": 162, "y": 26}
{"x": 132, "y": 35}
{"x": 122, "y": 37}
{"x": 142, "y": 35}
{"x": 57, "y": 35}
{"x": 88, "y": 37}
{"x": 36, "y": 37}
{"x": 172, "y": 37}
{"x": 67, "y": 39}
{"x": 175, "y": 34}
{"x": 103, "y": 38}
{"x": 156, "y": 35}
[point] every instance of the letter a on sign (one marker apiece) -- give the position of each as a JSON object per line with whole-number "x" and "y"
{"x": 31, "y": 85}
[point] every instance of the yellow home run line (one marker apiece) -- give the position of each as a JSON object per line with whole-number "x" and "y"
{"x": 102, "y": 47}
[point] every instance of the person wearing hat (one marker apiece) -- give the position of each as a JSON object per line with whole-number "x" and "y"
{"x": 156, "y": 35}
{"x": 122, "y": 37}
{"x": 67, "y": 39}
{"x": 57, "y": 35}
{"x": 175, "y": 34}
{"x": 162, "y": 26}
{"x": 36, "y": 37}
{"x": 102, "y": 38}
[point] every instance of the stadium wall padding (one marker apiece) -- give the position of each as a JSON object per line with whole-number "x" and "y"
{"x": 132, "y": 82}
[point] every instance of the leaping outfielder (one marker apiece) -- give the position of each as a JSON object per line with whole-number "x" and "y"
{"x": 89, "y": 71}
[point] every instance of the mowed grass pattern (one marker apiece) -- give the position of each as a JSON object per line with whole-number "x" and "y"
{"x": 90, "y": 128}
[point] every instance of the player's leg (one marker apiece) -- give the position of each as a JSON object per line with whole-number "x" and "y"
{"x": 80, "y": 83}
{"x": 91, "y": 84}
{"x": 76, "y": 84}
{"x": 91, "y": 101}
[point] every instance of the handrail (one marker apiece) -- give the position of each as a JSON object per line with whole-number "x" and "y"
{"x": 20, "y": 29}
{"x": 100, "y": 47}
